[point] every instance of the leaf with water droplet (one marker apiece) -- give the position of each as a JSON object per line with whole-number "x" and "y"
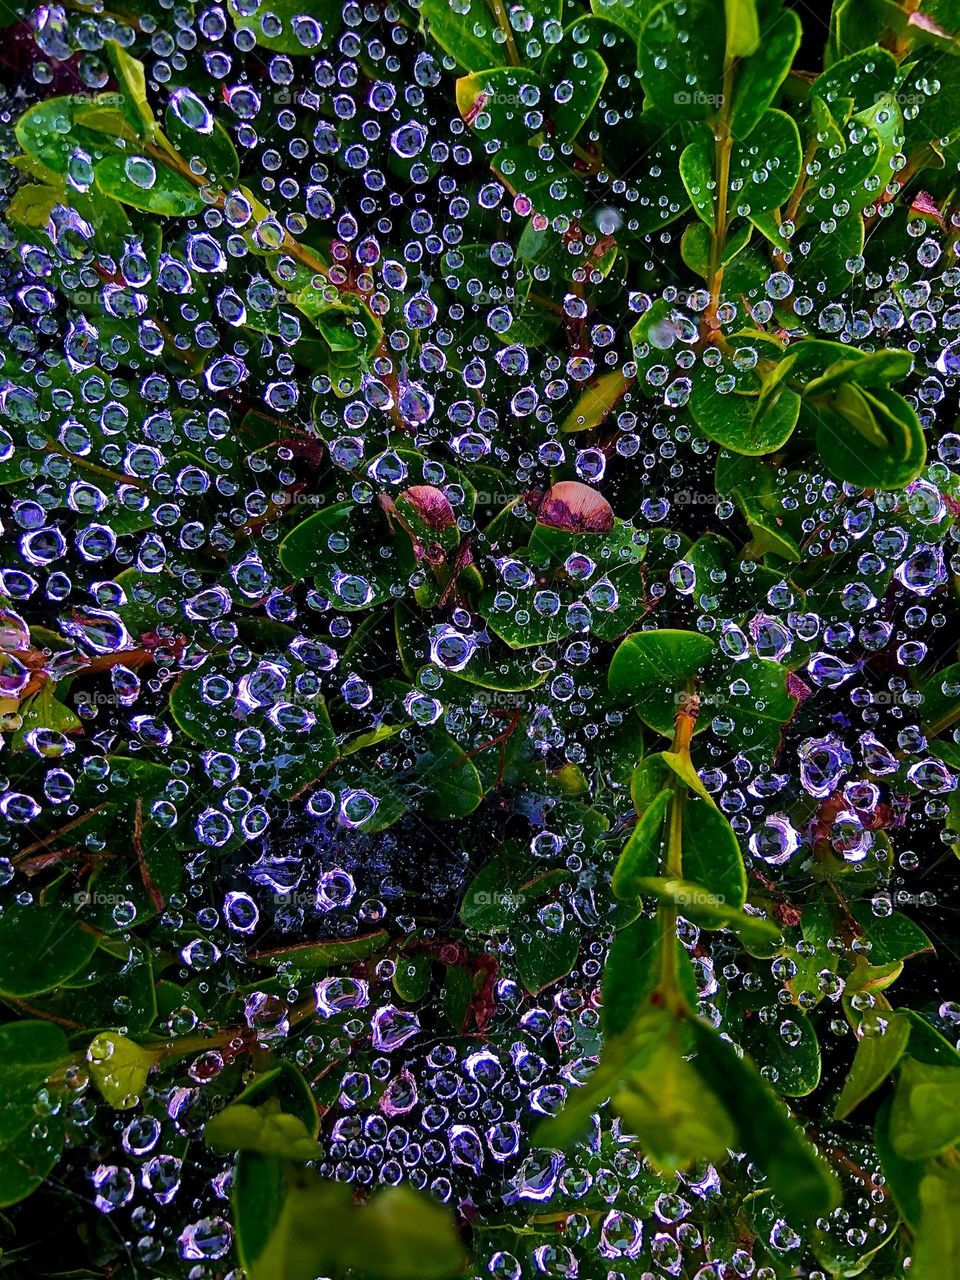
{"x": 796, "y": 1174}
{"x": 883, "y": 1039}
{"x": 31, "y": 1139}
{"x": 168, "y": 194}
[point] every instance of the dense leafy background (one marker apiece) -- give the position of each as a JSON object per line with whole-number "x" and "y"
{"x": 479, "y": 674}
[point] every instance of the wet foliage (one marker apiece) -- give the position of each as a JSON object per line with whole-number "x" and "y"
{"x": 478, "y": 616}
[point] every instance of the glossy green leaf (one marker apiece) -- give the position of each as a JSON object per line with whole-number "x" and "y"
{"x": 308, "y": 956}
{"x": 547, "y": 952}
{"x": 132, "y": 83}
{"x": 287, "y": 26}
{"x": 651, "y": 669}
{"x": 936, "y": 1251}
{"x": 505, "y": 886}
{"x": 631, "y": 972}
{"x": 925, "y": 1115}
{"x": 700, "y": 906}
{"x": 662, "y": 1099}
{"x": 211, "y": 153}
{"x": 903, "y": 1176}
{"x": 697, "y": 172}
{"x": 266, "y": 1130}
{"x": 119, "y": 1068}
{"x": 892, "y": 937}
{"x": 760, "y": 76}
{"x": 41, "y": 946}
{"x": 31, "y": 1130}
{"x": 642, "y": 853}
{"x": 148, "y": 185}
{"x": 711, "y": 852}
{"x": 469, "y": 34}
{"x": 736, "y": 421}
{"x": 796, "y": 1174}
{"x": 883, "y": 1040}
{"x": 681, "y": 58}
{"x": 743, "y": 28}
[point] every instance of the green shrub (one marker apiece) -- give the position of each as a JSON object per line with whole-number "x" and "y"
{"x": 478, "y": 624}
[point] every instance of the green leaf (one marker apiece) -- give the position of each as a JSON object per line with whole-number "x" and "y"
{"x": 284, "y": 1085}
{"x": 903, "y": 1176}
{"x": 412, "y": 977}
{"x": 681, "y": 58}
{"x": 883, "y": 1039}
{"x": 696, "y": 244}
{"x": 701, "y": 907}
{"x": 451, "y": 783}
{"x": 597, "y": 402}
{"x": 925, "y": 1115}
{"x": 156, "y": 189}
{"x": 892, "y": 937}
{"x": 696, "y": 170}
{"x": 927, "y": 1044}
{"x": 760, "y": 76}
{"x": 32, "y": 1125}
{"x": 628, "y": 14}
{"x": 588, "y": 75}
{"x": 869, "y": 369}
{"x": 467, "y": 33}
{"x": 456, "y": 996}
{"x": 863, "y": 77}
{"x": 132, "y": 84}
{"x": 751, "y": 704}
{"x": 400, "y": 1235}
{"x": 258, "y": 1200}
{"x": 737, "y": 422}
{"x": 847, "y": 452}
{"x": 788, "y": 1048}
{"x": 207, "y": 706}
{"x": 352, "y": 574}
{"x": 48, "y": 132}
{"x": 641, "y": 854}
{"x": 119, "y": 1068}
{"x": 765, "y": 165}
{"x": 652, "y": 669}
{"x": 711, "y": 852}
{"x": 743, "y": 29}
{"x": 663, "y": 1100}
{"x": 211, "y": 154}
{"x": 547, "y": 953}
{"x": 796, "y": 1174}
{"x": 41, "y": 946}
{"x": 266, "y": 1130}
{"x": 631, "y": 972}
{"x": 111, "y": 992}
{"x": 312, "y": 956}
{"x": 278, "y": 25}
{"x": 505, "y": 886}
{"x": 936, "y": 1249}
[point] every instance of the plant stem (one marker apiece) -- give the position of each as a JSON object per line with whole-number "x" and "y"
{"x": 669, "y": 984}
{"x": 503, "y": 22}
{"x": 724, "y": 139}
